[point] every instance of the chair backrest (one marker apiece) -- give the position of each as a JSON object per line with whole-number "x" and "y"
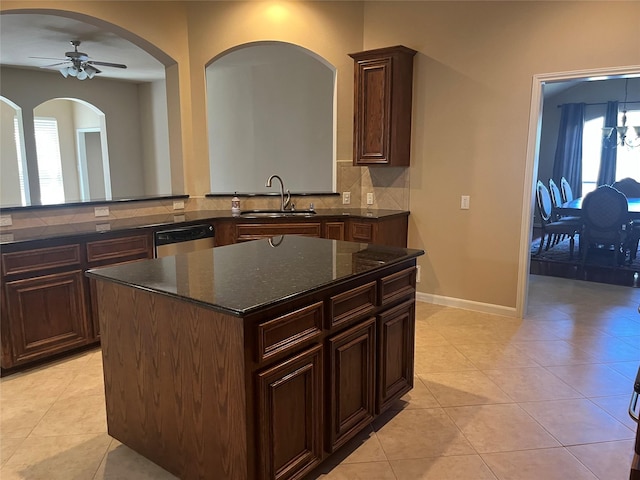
{"x": 567, "y": 193}
{"x": 628, "y": 186}
{"x": 604, "y": 211}
{"x": 555, "y": 193}
{"x": 543, "y": 200}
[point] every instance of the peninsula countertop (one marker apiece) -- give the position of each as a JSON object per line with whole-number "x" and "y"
{"x": 242, "y": 278}
{"x": 11, "y": 236}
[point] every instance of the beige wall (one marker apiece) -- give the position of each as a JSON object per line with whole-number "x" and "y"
{"x": 117, "y": 100}
{"x": 472, "y": 94}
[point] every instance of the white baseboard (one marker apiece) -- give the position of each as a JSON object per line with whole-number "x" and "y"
{"x": 467, "y": 304}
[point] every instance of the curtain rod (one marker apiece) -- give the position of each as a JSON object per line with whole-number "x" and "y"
{"x": 599, "y": 103}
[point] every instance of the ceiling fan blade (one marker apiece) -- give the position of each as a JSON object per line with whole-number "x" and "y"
{"x": 51, "y": 58}
{"x": 107, "y": 64}
{"x": 55, "y": 64}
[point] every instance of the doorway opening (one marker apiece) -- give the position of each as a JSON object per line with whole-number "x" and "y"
{"x": 532, "y": 160}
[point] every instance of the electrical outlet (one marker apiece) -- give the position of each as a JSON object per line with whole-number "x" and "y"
{"x": 103, "y": 227}
{"x": 464, "y": 202}
{"x": 178, "y": 205}
{"x": 346, "y": 198}
{"x": 370, "y": 198}
{"x": 101, "y": 211}
{"x": 5, "y": 221}
{"x": 418, "y": 273}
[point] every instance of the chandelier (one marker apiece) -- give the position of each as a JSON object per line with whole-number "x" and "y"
{"x": 622, "y": 135}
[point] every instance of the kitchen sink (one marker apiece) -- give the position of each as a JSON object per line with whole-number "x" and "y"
{"x": 276, "y": 213}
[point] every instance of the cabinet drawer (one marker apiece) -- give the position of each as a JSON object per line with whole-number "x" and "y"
{"x": 40, "y": 259}
{"x": 362, "y": 232}
{"x": 352, "y": 304}
{"x": 397, "y": 285}
{"x": 114, "y": 250}
{"x": 254, "y": 231}
{"x": 286, "y": 332}
{"x": 334, "y": 230}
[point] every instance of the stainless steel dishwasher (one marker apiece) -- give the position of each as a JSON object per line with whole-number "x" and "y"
{"x": 184, "y": 239}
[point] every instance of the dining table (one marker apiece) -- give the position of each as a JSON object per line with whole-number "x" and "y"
{"x": 574, "y": 207}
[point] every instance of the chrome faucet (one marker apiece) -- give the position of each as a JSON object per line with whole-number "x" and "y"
{"x": 283, "y": 203}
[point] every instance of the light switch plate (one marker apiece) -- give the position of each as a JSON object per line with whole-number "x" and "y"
{"x": 346, "y": 198}
{"x": 101, "y": 211}
{"x": 464, "y": 202}
{"x": 369, "y": 198}
{"x": 5, "y": 221}
{"x": 178, "y": 205}
{"x": 103, "y": 227}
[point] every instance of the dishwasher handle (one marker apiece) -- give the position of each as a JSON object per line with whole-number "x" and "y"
{"x": 184, "y": 234}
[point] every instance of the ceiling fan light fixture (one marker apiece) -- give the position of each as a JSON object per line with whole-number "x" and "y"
{"x": 91, "y": 71}
{"x": 65, "y": 72}
{"x": 73, "y": 71}
{"x": 82, "y": 75}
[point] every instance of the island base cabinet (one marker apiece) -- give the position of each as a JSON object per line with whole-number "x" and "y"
{"x": 352, "y": 377}
{"x": 47, "y": 315}
{"x": 396, "y": 334}
{"x": 290, "y": 412}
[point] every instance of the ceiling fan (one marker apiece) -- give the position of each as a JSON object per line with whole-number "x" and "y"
{"x": 78, "y": 64}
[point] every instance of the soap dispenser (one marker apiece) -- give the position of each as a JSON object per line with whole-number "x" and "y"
{"x": 235, "y": 204}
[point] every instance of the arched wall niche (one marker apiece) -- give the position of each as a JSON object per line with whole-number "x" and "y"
{"x": 271, "y": 109}
{"x": 163, "y": 139}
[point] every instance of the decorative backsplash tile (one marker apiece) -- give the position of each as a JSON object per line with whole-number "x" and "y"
{"x": 390, "y": 188}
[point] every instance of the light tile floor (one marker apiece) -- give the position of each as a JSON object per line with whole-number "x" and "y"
{"x": 494, "y": 398}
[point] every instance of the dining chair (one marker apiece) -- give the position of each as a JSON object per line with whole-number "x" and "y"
{"x": 565, "y": 189}
{"x": 631, "y": 189}
{"x": 605, "y": 213}
{"x": 556, "y": 199}
{"x": 554, "y": 230}
{"x": 628, "y": 186}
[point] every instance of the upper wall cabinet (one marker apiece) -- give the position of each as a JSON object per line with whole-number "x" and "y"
{"x": 382, "y": 106}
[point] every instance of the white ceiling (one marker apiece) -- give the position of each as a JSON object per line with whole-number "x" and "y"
{"x": 23, "y": 36}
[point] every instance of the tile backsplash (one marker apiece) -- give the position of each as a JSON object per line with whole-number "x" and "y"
{"x": 390, "y": 188}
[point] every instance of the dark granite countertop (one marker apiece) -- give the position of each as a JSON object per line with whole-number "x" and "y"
{"x": 245, "y": 277}
{"x": 109, "y": 225}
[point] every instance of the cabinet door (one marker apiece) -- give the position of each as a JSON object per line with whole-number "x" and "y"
{"x": 46, "y": 315}
{"x": 372, "y": 116}
{"x": 290, "y": 416}
{"x": 396, "y": 337}
{"x": 352, "y": 382}
{"x": 382, "y": 106}
{"x": 334, "y": 230}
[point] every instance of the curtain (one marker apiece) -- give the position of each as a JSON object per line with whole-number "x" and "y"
{"x": 609, "y": 153}
{"x": 568, "y": 159}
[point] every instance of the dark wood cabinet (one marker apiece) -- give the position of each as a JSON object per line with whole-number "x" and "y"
{"x": 334, "y": 230}
{"x": 46, "y": 315}
{"x": 256, "y": 231}
{"x": 290, "y": 398}
{"x": 395, "y": 353}
{"x": 382, "y": 106}
{"x": 119, "y": 249}
{"x": 390, "y": 231}
{"x": 47, "y": 307}
{"x": 352, "y": 367}
{"x": 293, "y": 382}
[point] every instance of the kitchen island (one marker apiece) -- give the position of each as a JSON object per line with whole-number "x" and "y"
{"x": 255, "y": 360}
